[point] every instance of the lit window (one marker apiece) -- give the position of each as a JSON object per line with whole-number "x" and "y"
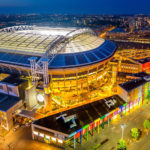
{"x": 41, "y": 134}
{"x": 35, "y": 133}
{"x": 47, "y": 137}
{"x": 53, "y": 139}
{"x": 115, "y": 117}
{"x": 60, "y": 141}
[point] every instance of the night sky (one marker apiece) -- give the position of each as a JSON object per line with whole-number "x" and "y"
{"x": 76, "y": 6}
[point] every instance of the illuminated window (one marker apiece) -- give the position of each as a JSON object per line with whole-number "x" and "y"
{"x": 35, "y": 133}
{"x": 47, "y": 137}
{"x": 115, "y": 117}
{"x": 60, "y": 141}
{"x": 53, "y": 139}
{"x": 41, "y": 134}
{"x": 1, "y": 87}
{"x": 9, "y": 89}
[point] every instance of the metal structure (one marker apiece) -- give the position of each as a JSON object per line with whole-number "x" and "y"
{"x": 57, "y": 45}
{"x": 17, "y": 28}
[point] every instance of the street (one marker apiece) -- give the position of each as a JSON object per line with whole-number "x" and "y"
{"x": 21, "y": 140}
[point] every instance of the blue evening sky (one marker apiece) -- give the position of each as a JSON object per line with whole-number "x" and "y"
{"x": 76, "y": 6}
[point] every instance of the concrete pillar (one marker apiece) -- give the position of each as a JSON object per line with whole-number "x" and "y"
{"x": 48, "y": 102}
{"x": 32, "y": 129}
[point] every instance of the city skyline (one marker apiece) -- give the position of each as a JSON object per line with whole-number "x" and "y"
{"x": 74, "y": 7}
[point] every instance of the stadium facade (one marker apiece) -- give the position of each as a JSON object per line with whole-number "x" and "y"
{"x": 63, "y": 66}
{"x": 68, "y": 80}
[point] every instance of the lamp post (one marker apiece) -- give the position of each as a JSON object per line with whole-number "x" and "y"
{"x": 122, "y": 127}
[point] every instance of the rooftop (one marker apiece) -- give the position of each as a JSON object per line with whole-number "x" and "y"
{"x": 82, "y": 48}
{"x": 84, "y": 115}
{"x": 13, "y": 80}
{"x": 133, "y": 84}
{"x": 7, "y": 101}
{"x": 143, "y": 60}
{"x": 103, "y": 52}
{"x": 38, "y": 40}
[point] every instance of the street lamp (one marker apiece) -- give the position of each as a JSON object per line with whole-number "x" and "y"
{"x": 122, "y": 127}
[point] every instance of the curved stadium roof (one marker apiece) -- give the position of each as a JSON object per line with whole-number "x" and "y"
{"x": 85, "y": 49}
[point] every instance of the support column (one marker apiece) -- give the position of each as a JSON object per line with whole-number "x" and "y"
{"x": 81, "y": 137}
{"x": 125, "y": 109}
{"x": 103, "y": 123}
{"x": 87, "y": 133}
{"x": 32, "y": 127}
{"x": 92, "y": 129}
{"x": 48, "y": 102}
{"x": 74, "y": 143}
{"x": 108, "y": 121}
{"x": 121, "y": 113}
{"x": 98, "y": 126}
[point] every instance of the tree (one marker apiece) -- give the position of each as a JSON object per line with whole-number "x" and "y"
{"x": 135, "y": 133}
{"x": 146, "y": 124}
{"x": 121, "y": 145}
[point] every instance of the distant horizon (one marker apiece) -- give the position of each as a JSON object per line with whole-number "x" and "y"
{"x": 21, "y": 10}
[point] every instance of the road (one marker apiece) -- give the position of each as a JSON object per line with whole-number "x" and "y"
{"x": 21, "y": 140}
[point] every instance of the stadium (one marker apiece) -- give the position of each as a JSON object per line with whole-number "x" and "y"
{"x": 63, "y": 66}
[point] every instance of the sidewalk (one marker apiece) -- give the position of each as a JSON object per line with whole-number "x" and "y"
{"x": 113, "y": 133}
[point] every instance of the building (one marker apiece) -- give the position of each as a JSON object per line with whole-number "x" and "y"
{"x": 68, "y": 128}
{"x": 8, "y": 106}
{"x": 136, "y": 90}
{"x": 11, "y": 98}
{"x": 64, "y": 66}
{"x": 65, "y": 79}
{"x": 145, "y": 64}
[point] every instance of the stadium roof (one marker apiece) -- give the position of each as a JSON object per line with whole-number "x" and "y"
{"x": 16, "y": 47}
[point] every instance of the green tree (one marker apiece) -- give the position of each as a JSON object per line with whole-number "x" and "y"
{"x": 121, "y": 145}
{"x": 146, "y": 124}
{"x": 135, "y": 133}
